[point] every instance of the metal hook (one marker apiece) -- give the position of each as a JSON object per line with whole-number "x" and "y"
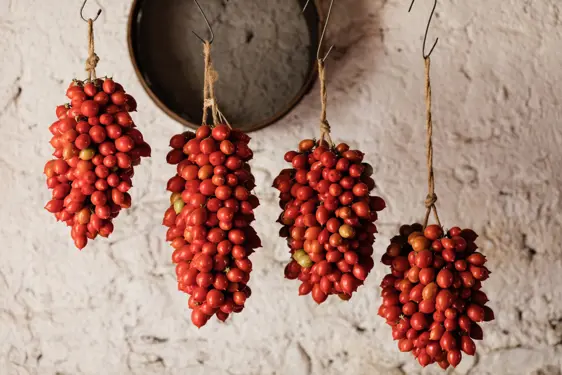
{"x": 82, "y": 12}
{"x": 425, "y": 56}
{"x": 208, "y": 25}
{"x": 323, "y": 33}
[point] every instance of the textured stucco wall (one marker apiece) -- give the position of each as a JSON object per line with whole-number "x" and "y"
{"x": 114, "y": 308}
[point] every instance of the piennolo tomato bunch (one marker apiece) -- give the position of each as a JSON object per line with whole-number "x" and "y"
{"x": 96, "y": 147}
{"x": 432, "y": 297}
{"x": 328, "y": 218}
{"x": 210, "y": 218}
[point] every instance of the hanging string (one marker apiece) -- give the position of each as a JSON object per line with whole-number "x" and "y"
{"x": 209, "y": 98}
{"x": 431, "y": 196}
{"x": 93, "y": 59}
{"x": 324, "y": 124}
{"x": 209, "y": 101}
{"x": 211, "y": 76}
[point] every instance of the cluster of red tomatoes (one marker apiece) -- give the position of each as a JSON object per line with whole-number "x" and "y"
{"x": 96, "y": 147}
{"x": 432, "y": 297}
{"x": 328, "y": 218}
{"x": 210, "y": 218}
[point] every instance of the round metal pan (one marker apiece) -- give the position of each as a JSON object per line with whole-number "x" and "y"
{"x": 264, "y": 52}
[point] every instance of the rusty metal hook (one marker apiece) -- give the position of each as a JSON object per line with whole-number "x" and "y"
{"x": 323, "y": 33}
{"x": 208, "y": 25}
{"x": 82, "y": 12}
{"x": 425, "y": 56}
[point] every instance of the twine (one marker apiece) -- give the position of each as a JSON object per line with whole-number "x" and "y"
{"x": 93, "y": 59}
{"x": 431, "y": 198}
{"x": 324, "y": 124}
{"x": 209, "y": 98}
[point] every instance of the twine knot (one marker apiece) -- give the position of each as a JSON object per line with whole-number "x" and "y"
{"x": 208, "y": 103}
{"x": 324, "y": 127}
{"x": 430, "y": 200}
{"x": 92, "y": 62}
{"x": 93, "y": 59}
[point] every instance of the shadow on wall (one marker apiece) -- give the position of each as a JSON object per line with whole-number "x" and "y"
{"x": 355, "y": 31}
{"x": 359, "y": 40}
{"x": 351, "y": 23}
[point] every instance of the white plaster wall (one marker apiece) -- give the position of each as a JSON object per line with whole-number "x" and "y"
{"x": 114, "y": 308}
